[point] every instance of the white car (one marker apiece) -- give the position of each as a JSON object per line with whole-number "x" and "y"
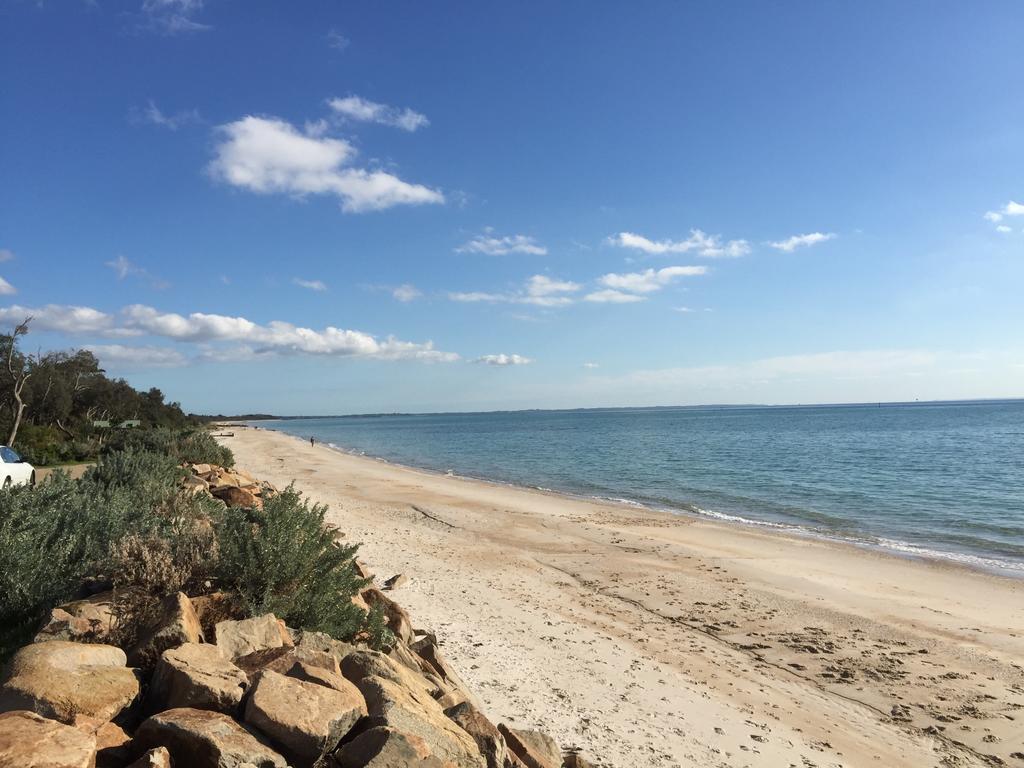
{"x": 14, "y": 470}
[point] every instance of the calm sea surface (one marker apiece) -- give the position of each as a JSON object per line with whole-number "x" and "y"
{"x": 943, "y": 480}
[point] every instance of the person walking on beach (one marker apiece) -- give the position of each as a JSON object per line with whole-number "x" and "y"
{"x": 312, "y": 442}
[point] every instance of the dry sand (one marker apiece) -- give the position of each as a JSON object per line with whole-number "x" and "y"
{"x": 651, "y": 639}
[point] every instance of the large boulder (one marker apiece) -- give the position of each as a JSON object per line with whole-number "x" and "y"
{"x": 305, "y": 718}
{"x": 240, "y": 638}
{"x": 416, "y": 714}
{"x": 178, "y": 624}
{"x": 59, "y": 679}
{"x": 321, "y": 641}
{"x": 237, "y": 497}
{"x": 487, "y": 737}
{"x": 283, "y": 660}
{"x": 30, "y": 741}
{"x": 533, "y": 748}
{"x": 89, "y": 620}
{"x": 398, "y": 620}
{"x": 198, "y": 738}
{"x": 198, "y": 676}
{"x": 366, "y": 663}
{"x": 426, "y": 648}
{"x": 384, "y": 747}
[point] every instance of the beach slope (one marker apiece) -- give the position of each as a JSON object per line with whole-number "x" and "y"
{"x": 658, "y": 640}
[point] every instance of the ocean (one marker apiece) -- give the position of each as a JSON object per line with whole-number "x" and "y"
{"x": 942, "y": 480}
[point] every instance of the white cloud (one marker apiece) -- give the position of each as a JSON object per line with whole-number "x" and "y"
{"x": 276, "y": 337}
{"x": 609, "y": 296}
{"x": 172, "y": 17}
{"x": 499, "y": 246}
{"x": 366, "y": 111}
{"x": 503, "y": 359}
{"x": 121, "y": 356}
{"x": 312, "y": 285}
{"x": 649, "y": 280}
{"x": 685, "y": 310}
{"x": 790, "y": 244}
{"x": 591, "y": 365}
{"x": 539, "y": 290}
{"x": 6, "y": 289}
{"x": 336, "y": 40}
{"x": 406, "y": 292}
{"x": 6, "y": 255}
{"x": 699, "y": 242}
{"x": 151, "y": 114}
{"x": 268, "y": 155}
{"x": 1010, "y": 209}
{"x": 123, "y": 268}
{"x": 1003, "y": 228}
{"x": 62, "y": 319}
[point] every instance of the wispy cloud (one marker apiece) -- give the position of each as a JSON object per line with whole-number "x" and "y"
{"x": 337, "y": 41}
{"x": 152, "y": 115}
{"x": 1010, "y": 209}
{"x": 649, "y": 280}
{"x": 591, "y": 365}
{"x": 172, "y": 17}
{"x": 406, "y": 292}
{"x": 6, "y": 289}
{"x": 609, "y": 296}
{"x": 268, "y": 155}
{"x": 503, "y": 360}
{"x": 699, "y": 242}
{"x": 124, "y": 268}
{"x": 365, "y": 111}
{"x": 790, "y": 244}
{"x": 1003, "y": 229}
{"x": 492, "y": 245}
{"x": 230, "y": 335}
{"x": 310, "y": 285}
{"x": 123, "y": 356}
{"x": 539, "y": 290}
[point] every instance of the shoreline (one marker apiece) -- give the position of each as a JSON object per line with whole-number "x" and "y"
{"x": 658, "y": 640}
{"x": 904, "y": 550}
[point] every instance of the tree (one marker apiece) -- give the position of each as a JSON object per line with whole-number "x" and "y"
{"x": 20, "y": 370}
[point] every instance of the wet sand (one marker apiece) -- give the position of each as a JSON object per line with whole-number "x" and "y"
{"x": 652, "y": 639}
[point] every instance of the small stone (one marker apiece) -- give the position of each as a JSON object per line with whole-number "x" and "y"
{"x": 396, "y": 581}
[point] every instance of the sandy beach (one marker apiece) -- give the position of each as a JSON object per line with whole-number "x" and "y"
{"x": 652, "y": 639}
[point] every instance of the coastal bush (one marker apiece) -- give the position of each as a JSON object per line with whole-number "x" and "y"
{"x": 282, "y": 559}
{"x": 194, "y": 446}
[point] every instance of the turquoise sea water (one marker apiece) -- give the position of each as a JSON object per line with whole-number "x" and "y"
{"x": 943, "y": 480}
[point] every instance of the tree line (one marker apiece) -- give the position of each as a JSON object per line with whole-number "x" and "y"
{"x": 52, "y": 403}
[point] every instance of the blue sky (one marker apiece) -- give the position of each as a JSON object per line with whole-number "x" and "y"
{"x": 335, "y": 207}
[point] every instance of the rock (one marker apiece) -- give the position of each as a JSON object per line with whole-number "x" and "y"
{"x": 487, "y": 737}
{"x": 113, "y": 745}
{"x": 155, "y": 758}
{"x": 405, "y": 656}
{"x": 30, "y": 741}
{"x": 398, "y": 620}
{"x": 362, "y": 569}
{"x": 396, "y": 581}
{"x": 202, "y": 469}
{"x": 89, "y": 620}
{"x": 237, "y": 497}
{"x": 306, "y": 719}
{"x": 320, "y": 641}
{"x": 198, "y": 738}
{"x": 426, "y": 648}
{"x": 386, "y": 748}
{"x": 533, "y": 748}
{"x": 416, "y": 714}
{"x": 197, "y": 676}
{"x": 240, "y": 638}
{"x": 59, "y": 679}
{"x": 213, "y": 609}
{"x": 283, "y": 659}
{"x": 178, "y": 624}
{"x": 573, "y": 759}
{"x": 363, "y": 664}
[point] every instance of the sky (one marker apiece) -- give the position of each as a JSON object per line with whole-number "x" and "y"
{"x": 335, "y": 207}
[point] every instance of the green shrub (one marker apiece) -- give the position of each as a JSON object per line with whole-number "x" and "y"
{"x": 282, "y": 559}
{"x": 195, "y": 446}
